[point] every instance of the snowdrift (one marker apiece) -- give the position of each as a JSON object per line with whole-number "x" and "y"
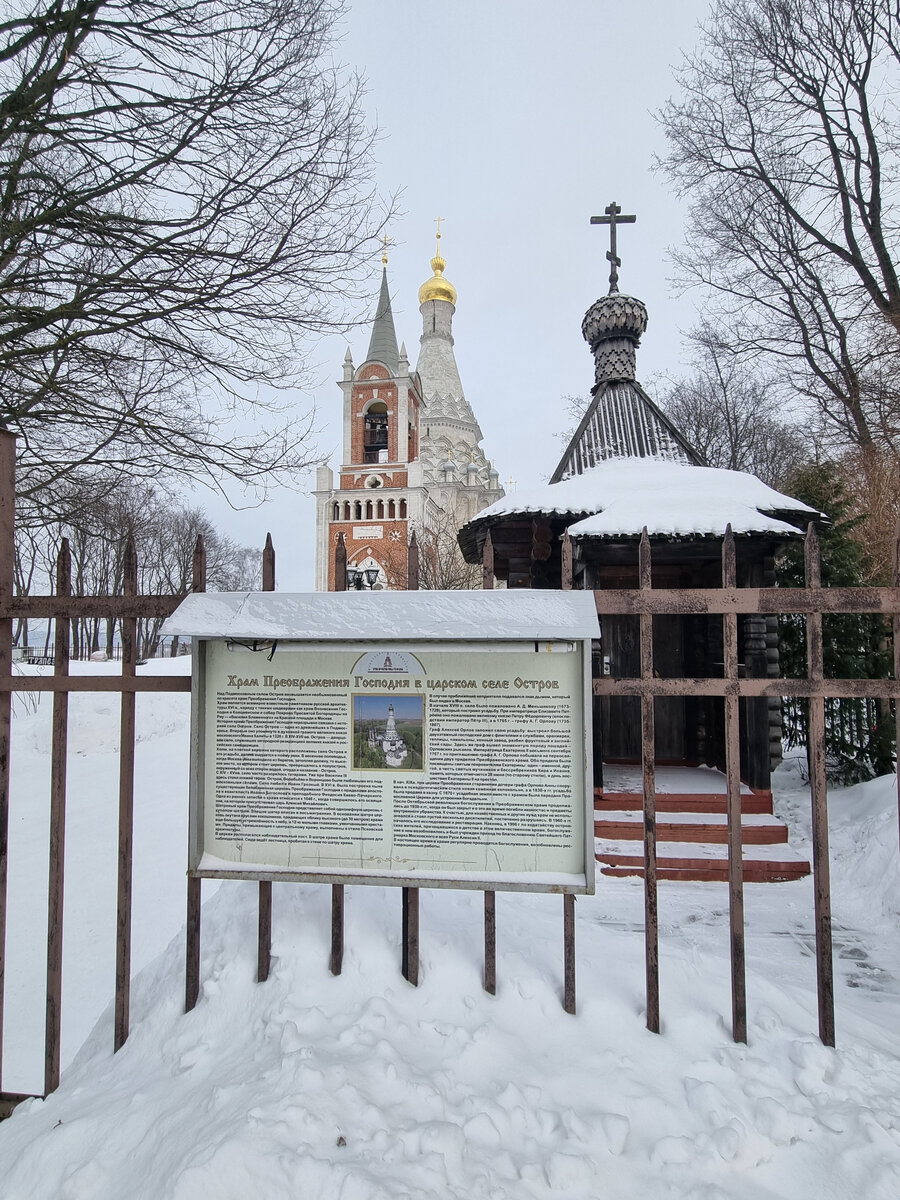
{"x": 364, "y": 1088}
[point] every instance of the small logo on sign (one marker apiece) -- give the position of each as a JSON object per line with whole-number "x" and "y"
{"x": 388, "y": 663}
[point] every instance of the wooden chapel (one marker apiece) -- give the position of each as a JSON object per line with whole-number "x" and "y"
{"x": 628, "y": 467}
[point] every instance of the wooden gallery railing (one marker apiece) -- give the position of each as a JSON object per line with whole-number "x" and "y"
{"x": 62, "y": 608}
{"x": 729, "y": 601}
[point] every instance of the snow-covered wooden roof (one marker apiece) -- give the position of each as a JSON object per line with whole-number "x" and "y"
{"x": 621, "y": 496}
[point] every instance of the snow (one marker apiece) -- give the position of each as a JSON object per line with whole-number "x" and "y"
{"x": 717, "y": 853}
{"x": 363, "y": 1088}
{"x": 686, "y": 818}
{"x": 382, "y": 616}
{"x": 621, "y": 777}
{"x": 622, "y": 496}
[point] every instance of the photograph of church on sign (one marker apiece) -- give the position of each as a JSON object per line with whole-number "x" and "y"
{"x": 388, "y": 733}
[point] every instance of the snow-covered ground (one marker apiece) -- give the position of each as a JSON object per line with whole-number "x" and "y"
{"x": 364, "y": 1088}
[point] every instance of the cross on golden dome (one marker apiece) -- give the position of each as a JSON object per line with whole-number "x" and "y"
{"x": 437, "y": 288}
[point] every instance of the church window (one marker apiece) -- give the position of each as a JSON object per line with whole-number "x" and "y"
{"x": 336, "y": 511}
{"x": 402, "y": 509}
{"x": 346, "y": 510}
{"x": 368, "y": 510}
{"x": 392, "y": 511}
{"x": 380, "y": 510}
{"x": 359, "y": 510}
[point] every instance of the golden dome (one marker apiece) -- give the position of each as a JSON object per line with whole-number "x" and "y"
{"x": 437, "y": 287}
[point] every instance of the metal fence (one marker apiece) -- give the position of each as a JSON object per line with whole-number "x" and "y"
{"x": 62, "y": 608}
{"x": 645, "y": 601}
{"x": 729, "y": 601}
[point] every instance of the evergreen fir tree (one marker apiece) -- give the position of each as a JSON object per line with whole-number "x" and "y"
{"x": 859, "y": 734}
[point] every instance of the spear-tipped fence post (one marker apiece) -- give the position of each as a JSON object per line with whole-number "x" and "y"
{"x": 264, "y": 940}
{"x": 56, "y": 871}
{"x": 7, "y": 558}
{"x": 340, "y": 565}
{"x": 815, "y": 657}
{"x": 126, "y": 806}
{"x": 194, "y": 884}
{"x": 412, "y": 564}
{"x": 733, "y": 803}
{"x": 648, "y": 762}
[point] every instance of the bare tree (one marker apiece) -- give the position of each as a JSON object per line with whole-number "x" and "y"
{"x": 441, "y": 563}
{"x": 185, "y": 195}
{"x": 575, "y": 408}
{"x": 728, "y": 411}
{"x": 164, "y": 533}
{"x": 786, "y": 139}
{"x": 166, "y": 559}
{"x": 730, "y": 414}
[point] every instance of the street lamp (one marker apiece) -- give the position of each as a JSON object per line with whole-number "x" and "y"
{"x": 362, "y": 578}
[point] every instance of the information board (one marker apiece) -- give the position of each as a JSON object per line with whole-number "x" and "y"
{"x": 442, "y": 763}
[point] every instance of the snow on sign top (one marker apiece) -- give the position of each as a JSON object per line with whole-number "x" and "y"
{"x": 386, "y": 616}
{"x": 619, "y": 497}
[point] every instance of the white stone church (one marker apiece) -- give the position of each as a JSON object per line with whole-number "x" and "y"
{"x": 412, "y": 455}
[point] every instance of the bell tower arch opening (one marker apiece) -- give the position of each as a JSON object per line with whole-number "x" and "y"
{"x": 375, "y": 432}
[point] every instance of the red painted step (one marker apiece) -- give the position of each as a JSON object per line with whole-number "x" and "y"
{"x": 711, "y": 872}
{"x": 699, "y": 799}
{"x": 717, "y": 835}
{"x": 700, "y": 802}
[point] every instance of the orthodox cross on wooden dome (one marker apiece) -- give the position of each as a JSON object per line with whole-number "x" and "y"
{"x": 613, "y": 218}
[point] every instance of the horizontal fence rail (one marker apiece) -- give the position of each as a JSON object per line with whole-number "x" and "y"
{"x": 769, "y": 601}
{"x": 94, "y": 683}
{"x": 118, "y": 607}
{"x": 885, "y": 689}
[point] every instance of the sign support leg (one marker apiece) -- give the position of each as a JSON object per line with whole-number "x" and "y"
{"x": 337, "y": 928}
{"x": 264, "y": 949}
{"x": 490, "y": 943}
{"x": 192, "y": 947}
{"x": 410, "y": 961}
{"x": 569, "y": 954}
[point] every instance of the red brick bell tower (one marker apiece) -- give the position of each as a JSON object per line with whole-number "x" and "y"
{"x": 378, "y": 496}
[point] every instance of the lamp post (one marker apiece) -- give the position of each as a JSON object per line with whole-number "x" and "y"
{"x": 362, "y": 578}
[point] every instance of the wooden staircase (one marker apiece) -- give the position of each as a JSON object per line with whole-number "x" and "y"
{"x": 691, "y": 828}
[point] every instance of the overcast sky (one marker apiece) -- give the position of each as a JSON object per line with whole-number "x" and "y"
{"x": 515, "y": 120}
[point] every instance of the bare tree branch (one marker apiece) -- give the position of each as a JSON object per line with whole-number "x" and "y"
{"x": 185, "y": 196}
{"x": 732, "y": 415}
{"x": 786, "y": 140}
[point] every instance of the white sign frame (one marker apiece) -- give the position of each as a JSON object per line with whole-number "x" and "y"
{"x": 203, "y": 865}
